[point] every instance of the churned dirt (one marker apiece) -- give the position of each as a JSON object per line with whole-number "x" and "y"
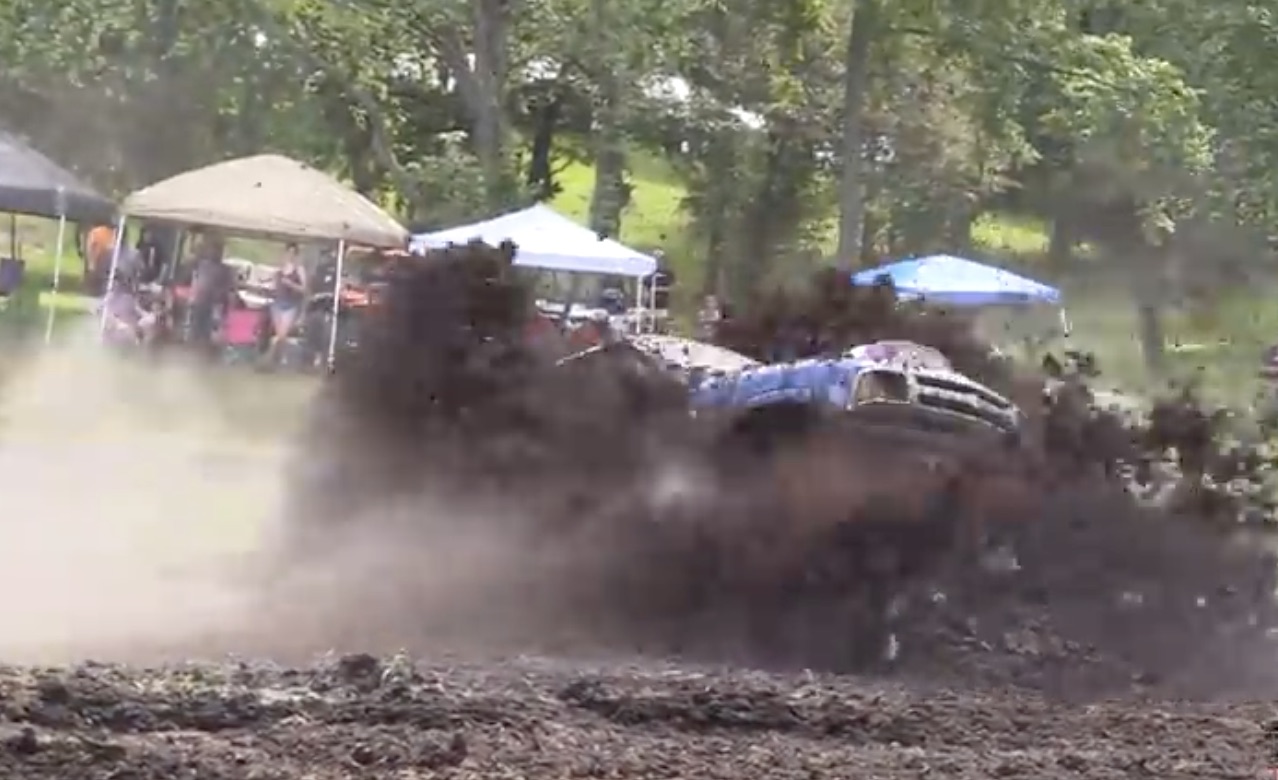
{"x": 528, "y": 718}
{"x": 594, "y": 585}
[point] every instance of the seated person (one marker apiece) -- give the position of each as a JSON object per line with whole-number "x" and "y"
{"x": 127, "y": 320}
{"x": 240, "y": 325}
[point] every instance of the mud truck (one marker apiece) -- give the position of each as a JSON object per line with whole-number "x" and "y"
{"x": 893, "y": 382}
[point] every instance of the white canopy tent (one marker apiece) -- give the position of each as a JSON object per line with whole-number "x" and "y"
{"x": 268, "y": 196}
{"x": 546, "y": 239}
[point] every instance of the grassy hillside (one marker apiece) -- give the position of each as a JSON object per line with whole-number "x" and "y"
{"x": 654, "y": 219}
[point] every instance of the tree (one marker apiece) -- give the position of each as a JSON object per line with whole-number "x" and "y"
{"x": 805, "y": 132}
{"x": 863, "y": 25}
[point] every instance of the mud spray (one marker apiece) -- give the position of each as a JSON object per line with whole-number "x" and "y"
{"x": 807, "y": 557}
{"x": 453, "y": 488}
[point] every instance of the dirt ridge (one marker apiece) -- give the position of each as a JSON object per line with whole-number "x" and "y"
{"x": 390, "y": 717}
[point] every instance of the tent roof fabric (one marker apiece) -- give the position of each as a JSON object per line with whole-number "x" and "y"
{"x": 954, "y": 280}
{"x": 31, "y": 183}
{"x": 544, "y": 238}
{"x": 268, "y": 195}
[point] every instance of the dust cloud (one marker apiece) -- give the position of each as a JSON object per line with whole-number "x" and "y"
{"x": 133, "y": 507}
{"x": 143, "y": 503}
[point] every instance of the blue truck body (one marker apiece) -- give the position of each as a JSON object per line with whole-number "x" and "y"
{"x": 831, "y": 384}
{"x": 825, "y": 382}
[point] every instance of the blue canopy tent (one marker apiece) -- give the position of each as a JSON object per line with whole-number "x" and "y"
{"x": 546, "y": 239}
{"x": 953, "y": 280}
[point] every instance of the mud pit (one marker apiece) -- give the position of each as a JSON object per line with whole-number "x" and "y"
{"x": 456, "y": 497}
{"x": 542, "y": 719}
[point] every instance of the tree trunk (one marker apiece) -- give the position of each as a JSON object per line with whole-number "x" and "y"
{"x": 855, "y": 87}
{"x": 870, "y": 226}
{"x": 714, "y": 281}
{"x": 1152, "y": 337}
{"x": 481, "y": 87}
{"x": 763, "y": 221}
{"x": 958, "y": 225}
{"x": 541, "y": 176}
{"x": 490, "y": 75}
{"x": 1060, "y": 246}
{"x": 608, "y": 196}
{"x": 714, "y": 223}
{"x": 718, "y": 200}
{"x": 869, "y": 230}
{"x": 1149, "y": 295}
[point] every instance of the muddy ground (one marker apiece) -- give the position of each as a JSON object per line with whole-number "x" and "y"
{"x": 531, "y": 718}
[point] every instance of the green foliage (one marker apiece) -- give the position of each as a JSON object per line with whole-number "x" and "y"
{"x": 1150, "y": 119}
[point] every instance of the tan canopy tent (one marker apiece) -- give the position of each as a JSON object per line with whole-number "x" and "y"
{"x": 268, "y": 195}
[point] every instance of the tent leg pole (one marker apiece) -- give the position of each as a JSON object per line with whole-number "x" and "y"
{"x": 170, "y": 268}
{"x": 652, "y": 301}
{"x": 337, "y": 304}
{"x": 57, "y": 279}
{"x": 638, "y": 325}
{"x": 110, "y": 281}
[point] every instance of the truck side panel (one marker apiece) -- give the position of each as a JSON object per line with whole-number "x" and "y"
{"x": 813, "y": 381}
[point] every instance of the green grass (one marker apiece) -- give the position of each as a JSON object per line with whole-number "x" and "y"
{"x": 654, "y": 218}
{"x": 1004, "y": 235}
{"x": 26, "y": 314}
{"x": 1224, "y": 353}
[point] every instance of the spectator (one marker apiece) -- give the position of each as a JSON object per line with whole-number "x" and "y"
{"x": 98, "y": 246}
{"x": 212, "y": 284}
{"x": 127, "y": 321}
{"x": 613, "y": 300}
{"x": 289, "y": 300}
{"x": 155, "y": 251}
{"x": 128, "y": 266}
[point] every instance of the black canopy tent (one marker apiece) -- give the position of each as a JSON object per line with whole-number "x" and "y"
{"x": 34, "y": 185}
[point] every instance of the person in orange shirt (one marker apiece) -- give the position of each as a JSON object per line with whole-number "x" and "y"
{"x": 98, "y": 246}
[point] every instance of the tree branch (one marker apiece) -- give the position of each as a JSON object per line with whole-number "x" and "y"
{"x": 1032, "y": 62}
{"x": 382, "y": 148}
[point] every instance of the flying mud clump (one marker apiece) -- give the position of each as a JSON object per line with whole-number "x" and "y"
{"x": 625, "y": 523}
